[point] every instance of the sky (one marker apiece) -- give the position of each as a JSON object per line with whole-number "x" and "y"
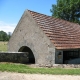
{"x": 12, "y": 10}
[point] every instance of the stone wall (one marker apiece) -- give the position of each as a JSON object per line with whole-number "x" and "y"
{"x": 66, "y": 66}
{"x": 14, "y": 57}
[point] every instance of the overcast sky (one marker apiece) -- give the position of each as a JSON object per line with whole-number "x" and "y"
{"x": 12, "y": 10}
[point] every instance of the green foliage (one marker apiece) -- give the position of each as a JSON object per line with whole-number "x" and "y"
{"x": 4, "y": 36}
{"x": 22, "y": 68}
{"x": 67, "y": 9}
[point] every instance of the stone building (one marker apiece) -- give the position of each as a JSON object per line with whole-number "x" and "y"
{"x": 48, "y": 40}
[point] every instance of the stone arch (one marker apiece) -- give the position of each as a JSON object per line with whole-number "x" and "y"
{"x": 30, "y": 54}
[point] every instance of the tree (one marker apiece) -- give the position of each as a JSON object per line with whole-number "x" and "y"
{"x": 4, "y": 36}
{"x": 67, "y": 9}
{"x": 9, "y": 35}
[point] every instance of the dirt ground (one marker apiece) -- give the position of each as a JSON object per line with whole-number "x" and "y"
{"x": 21, "y": 76}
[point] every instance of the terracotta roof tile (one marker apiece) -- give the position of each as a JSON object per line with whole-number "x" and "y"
{"x": 63, "y": 34}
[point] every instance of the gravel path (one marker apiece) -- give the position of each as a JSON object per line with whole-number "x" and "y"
{"x": 21, "y": 76}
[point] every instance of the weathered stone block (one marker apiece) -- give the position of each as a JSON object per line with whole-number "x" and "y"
{"x": 16, "y": 57}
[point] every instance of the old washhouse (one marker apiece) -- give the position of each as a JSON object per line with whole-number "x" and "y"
{"x": 48, "y": 40}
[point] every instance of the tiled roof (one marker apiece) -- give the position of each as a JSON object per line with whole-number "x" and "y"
{"x": 63, "y": 34}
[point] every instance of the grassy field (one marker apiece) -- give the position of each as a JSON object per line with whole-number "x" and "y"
{"x": 3, "y": 46}
{"x": 22, "y": 68}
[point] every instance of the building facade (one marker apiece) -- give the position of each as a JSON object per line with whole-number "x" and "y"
{"x": 47, "y": 40}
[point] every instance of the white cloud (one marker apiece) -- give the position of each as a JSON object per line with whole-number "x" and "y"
{"x": 7, "y": 27}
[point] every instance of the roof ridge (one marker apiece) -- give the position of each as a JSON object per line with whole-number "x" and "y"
{"x": 52, "y": 17}
{"x": 38, "y": 13}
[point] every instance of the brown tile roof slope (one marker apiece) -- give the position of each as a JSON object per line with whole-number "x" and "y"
{"x": 63, "y": 34}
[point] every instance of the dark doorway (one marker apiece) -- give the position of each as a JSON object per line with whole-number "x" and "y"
{"x": 30, "y": 54}
{"x": 69, "y": 55}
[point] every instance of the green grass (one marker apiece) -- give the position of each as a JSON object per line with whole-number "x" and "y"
{"x": 3, "y": 46}
{"x": 22, "y": 68}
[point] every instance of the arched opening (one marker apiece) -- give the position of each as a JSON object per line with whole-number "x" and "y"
{"x": 30, "y": 54}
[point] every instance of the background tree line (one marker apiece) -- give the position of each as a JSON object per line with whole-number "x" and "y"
{"x": 67, "y": 9}
{"x": 4, "y": 36}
